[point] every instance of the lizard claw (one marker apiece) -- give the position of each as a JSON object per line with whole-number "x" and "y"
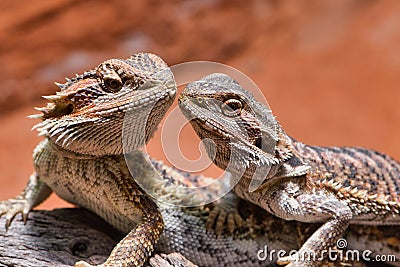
{"x": 220, "y": 216}
{"x": 12, "y": 207}
{"x": 283, "y": 261}
{"x": 224, "y": 213}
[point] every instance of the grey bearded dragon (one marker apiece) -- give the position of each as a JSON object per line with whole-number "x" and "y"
{"x": 81, "y": 160}
{"x": 330, "y": 185}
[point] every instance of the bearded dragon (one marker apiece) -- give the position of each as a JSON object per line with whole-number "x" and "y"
{"x": 330, "y": 185}
{"x": 81, "y": 157}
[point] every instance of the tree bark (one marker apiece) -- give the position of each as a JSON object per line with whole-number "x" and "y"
{"x": 62, "y": 237}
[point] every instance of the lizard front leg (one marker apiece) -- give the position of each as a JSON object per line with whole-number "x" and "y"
{"x": 135, "y": 248}
{"x": 289, "y": 201}
{"x": 138, "y": 245}
{"x": 34, "y": 193}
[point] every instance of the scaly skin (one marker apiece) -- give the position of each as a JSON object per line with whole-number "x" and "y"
{"x": 185, "y": 228}
{"x": 81, "y": 158}
{"x": 185, "y": 232}
{"x": 330, "y": 185}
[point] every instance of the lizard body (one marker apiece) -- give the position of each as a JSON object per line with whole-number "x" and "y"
{"x": 294, "y": 181}
{"x": 185, "y": 230}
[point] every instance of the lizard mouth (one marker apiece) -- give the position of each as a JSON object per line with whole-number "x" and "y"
{"x": 199, "y": 118}
{"x": 149, "y": 110}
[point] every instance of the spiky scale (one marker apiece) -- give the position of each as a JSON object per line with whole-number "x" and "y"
{"x": 60, "y": 85}
{"x": 35, "y": 116}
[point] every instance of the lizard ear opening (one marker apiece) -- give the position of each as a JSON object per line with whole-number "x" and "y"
{"x": 57, "y": 109}
{"x": 266, "y": 143}
{"x": 258, "y": 142}
{"x": 68, "y": 109}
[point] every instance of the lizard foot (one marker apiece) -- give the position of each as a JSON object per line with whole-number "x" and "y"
{"x": 224, "y": 213}
{"x": 85, "y": 264}
{"x": 12, "y": 207}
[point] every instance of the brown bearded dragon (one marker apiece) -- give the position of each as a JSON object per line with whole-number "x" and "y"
{"x": 81, "y": 159}
{"x": 330, "y": 185}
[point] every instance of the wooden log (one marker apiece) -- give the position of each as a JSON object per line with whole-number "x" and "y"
{"x": 62, "y": 237}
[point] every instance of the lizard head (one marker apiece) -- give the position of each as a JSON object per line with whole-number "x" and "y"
{"x": 89, "y": 114}
{"x": 239, "y": 133}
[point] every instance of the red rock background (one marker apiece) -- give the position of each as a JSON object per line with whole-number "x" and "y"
{"x": 329, "y": 69}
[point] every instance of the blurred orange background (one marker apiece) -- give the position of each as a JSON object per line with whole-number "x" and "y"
{"x": 330, "y": 70}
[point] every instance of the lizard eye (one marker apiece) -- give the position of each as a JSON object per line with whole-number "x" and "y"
{"x": 112, "y": 85}
{"x": 231, "y": 107}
